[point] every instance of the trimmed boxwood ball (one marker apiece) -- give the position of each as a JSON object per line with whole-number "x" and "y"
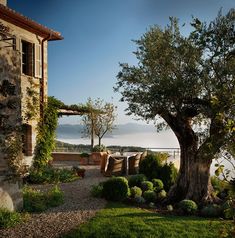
{"x": 139, "y": 200}
{"x": 146, "y": 185}
{"x": 157, "y": 184}
{"x": 149, "y": 196}
{"x": 135, "y": 191}
{"x": 136, "y": 180}
{"x": 116, "y": 189}
{"x": 161, "y": 195}
{"x": 188, "y": 206}
{"x": 212, "y": 210}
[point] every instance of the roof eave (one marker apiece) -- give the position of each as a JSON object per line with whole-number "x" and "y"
{"x": 19, "y": 20}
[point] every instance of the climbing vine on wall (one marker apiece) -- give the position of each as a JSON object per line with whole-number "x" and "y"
{"x": 46, "y": 134}
{"x": 32, "y": 102}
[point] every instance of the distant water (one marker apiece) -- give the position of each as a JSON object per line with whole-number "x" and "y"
{"x": 165, "y": 139}
{"x": 141, "y": 139}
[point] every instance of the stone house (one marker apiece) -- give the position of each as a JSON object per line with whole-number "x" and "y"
{"x": 23, "y": 86}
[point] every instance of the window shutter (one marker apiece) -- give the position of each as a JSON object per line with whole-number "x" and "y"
{"x": 38, "y": 61}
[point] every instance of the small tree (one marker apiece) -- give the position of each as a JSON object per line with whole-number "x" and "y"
{"x": 99, "y": 121}
{"x": 105, "y": 121}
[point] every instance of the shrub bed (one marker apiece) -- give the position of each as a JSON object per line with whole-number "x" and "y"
{"x": 136, "y": 180}
{"x": 52, "y": 175}
{"x": 9, "y": 219}
{"x": 37, "y": 201}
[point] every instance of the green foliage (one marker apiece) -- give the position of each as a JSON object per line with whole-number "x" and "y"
{"x": 97, "y": 190}
{"x": 161, "y": 195}
{"x": 168, "y": 64}
{"x": 170, "y": 207}
{"x": 84, "y": 155}
{"x": 135, "y": 192}
{"x": 139, "y": 200}
{"x": 9, "y": 219}
{"x": 188, "y": 206}
{"x": 146, "y": 185}
{"x": 46, "y": 134}
{"x": 52, "y": 175}
{"x": 37, "y": 201}
{"x": 99, "y": 148}
{"x": 153, "y": 167}
{"x": 116, "y": 189}
{"x": 228, "y": 209}
{"x": 149, "y": 196}
{"x": 212, "y": 210}
{"x": 136, "y": 180}
{"x": 157, "y": 184}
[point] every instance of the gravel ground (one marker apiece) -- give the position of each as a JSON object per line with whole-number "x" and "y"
{"x": 79, "y": 206}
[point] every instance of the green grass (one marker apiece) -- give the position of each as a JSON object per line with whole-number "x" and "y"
{"x": 121, "y": 221}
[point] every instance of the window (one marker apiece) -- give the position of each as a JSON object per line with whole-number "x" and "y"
{"x": 27, "y": 56}
{"x": 31, "y": 59}
{"x": 27, "y": 140}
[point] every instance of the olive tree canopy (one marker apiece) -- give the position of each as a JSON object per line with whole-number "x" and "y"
{"x": 188, "y": 81}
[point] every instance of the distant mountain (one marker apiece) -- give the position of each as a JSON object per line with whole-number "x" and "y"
{"x": 68, "y": 131}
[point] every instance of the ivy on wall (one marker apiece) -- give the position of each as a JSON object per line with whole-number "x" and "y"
{"x": 45, "y": 142}
{"x": 46, "y": 134}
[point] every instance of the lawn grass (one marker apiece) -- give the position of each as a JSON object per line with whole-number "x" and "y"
{"x": 121, "y": 221}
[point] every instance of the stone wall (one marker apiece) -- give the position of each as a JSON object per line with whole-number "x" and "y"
{"x": 10, "y": 123}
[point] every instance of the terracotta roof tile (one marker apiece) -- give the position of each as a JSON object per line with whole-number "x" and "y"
{"x": 26, "y": 23}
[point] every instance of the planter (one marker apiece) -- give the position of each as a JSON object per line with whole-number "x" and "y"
{"x": 79, "y": 171}
{"x": 96, "y": 157}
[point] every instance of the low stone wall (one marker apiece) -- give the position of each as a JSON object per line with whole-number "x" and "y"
{"x": 66, "y": 156}
{"x": 93, "y": 159}
{"x": 10, "y": 195}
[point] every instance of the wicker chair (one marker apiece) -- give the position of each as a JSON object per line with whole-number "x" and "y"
{"x": 115, "y": 167}
{"x": 143, "y": 155}
{"x": 133, "y": 164}
{"x": 103, "y": 163}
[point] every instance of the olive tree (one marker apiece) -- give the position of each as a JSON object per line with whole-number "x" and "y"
{"x": 188, "y": 81}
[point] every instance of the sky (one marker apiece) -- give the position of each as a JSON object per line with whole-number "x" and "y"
{"x": 98, "y": 36}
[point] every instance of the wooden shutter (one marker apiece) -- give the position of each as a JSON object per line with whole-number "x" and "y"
{"x": 38, "y": 61}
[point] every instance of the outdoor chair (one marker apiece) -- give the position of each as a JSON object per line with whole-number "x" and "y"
{"x": 103, "y": 163}
{"x": 143, "y": 155}
{"x": 133, "y": 164}
{"x": 115, "y": 167}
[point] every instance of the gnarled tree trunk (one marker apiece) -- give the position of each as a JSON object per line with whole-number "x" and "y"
{"x": 193, "y": 181}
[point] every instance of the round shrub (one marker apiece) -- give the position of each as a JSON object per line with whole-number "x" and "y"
{"x": 161, "y": 195}
{"x": 157, "y": 184}
{"x": 212, "y": 210}
{"x": 154, "y": 166}
{"x": 116, "y": 189}
{"x": 136, "y": 180}
{"x": 169, "y": 207}
{"x": 188, "y": 206}
{"x": 139, "y": 200}
{"x": 135, "y": 192}
{"x": 149, "y": 196}
{"x": 146, "y": 185}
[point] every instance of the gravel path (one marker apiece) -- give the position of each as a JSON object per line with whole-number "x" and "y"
{"x": 79, "y": 206}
